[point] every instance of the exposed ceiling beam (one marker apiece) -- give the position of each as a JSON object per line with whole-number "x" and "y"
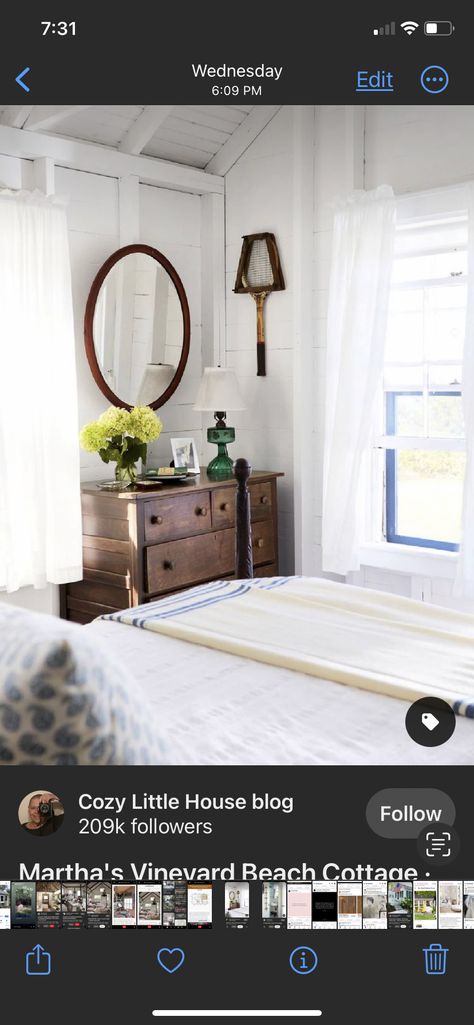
{"x": 85, "y": 156}
{"x": 44, "y": 118}
{"x": 144, "y": 128}
{"x": 15, "y": 117}
{"x": 241, "y": 139}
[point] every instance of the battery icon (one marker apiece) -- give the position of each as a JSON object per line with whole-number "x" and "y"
{"x": 439, "y": 28}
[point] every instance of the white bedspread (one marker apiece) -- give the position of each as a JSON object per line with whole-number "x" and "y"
{"x": 221, "y": 708}
{"x": 368, "y": 639}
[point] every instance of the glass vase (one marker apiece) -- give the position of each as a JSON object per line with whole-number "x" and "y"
{"x": 125, "y": 474}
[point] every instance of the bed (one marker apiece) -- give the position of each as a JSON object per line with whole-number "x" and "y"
{"x": 224, "y": 702}
{"x": 276, "y": 671}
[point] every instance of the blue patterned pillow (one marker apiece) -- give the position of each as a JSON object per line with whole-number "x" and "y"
{"x": 64, "y": 702}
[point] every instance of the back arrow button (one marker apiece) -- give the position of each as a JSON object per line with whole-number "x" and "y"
{"x": 19, "y": 79}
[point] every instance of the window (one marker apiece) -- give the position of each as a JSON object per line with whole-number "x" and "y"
{"x": 423, "y": 435}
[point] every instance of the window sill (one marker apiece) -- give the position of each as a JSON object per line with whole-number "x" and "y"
{"x": 423, "y": 562}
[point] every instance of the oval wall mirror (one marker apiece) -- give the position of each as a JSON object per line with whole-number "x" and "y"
{"x": 137, "y": 328}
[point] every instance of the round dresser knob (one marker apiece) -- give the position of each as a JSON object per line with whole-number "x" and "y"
{"x": 225, "y": 506}
{"x": 157, "y": 519}
{"x": 259, "y": 542}
{"x": 264, "y": 499}
{"x": 201, "y": 511}
{"x": 168, "y": 564}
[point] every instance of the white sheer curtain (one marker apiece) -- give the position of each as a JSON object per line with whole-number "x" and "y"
{"x": 464, "y": 581}
{"x": 40, "y": 516}
{"x": 362, "y": 257}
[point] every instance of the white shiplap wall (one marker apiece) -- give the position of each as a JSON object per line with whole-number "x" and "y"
{"x": 170, "y": 221}
{"x": 259, "y": 190}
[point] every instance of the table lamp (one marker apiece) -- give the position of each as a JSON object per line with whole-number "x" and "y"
{"x": 219, "y": 391}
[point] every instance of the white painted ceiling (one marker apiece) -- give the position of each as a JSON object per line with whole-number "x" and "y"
{"x": 183, "y": 135}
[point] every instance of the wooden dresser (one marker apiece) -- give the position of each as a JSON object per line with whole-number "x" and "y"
{"x": 139, "y": 545}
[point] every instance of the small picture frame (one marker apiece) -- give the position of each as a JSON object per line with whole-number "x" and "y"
{"x": 185, "y": 454}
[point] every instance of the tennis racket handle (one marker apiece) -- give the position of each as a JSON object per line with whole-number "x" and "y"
{"x": 261, "y": 369}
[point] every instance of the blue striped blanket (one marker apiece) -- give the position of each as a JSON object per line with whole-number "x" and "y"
{"x": 349, "y": 635}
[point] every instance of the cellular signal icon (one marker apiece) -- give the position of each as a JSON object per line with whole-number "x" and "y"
{"x": 409, "y": 27}
{"x": 385, "y": 30}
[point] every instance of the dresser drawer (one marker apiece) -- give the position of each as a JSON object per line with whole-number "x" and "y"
{"x": 261, "y": 501}
{"x": 223, "y": 507}
{"x": 189, "y": 561}
{"x": 223, "y": 504}
{"x": 177, "y": 516}
{"x": 263, "y": 543}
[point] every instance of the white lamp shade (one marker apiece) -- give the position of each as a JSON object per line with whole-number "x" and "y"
{"x": 219, "y": 391}
{"x": 155, "y": 380}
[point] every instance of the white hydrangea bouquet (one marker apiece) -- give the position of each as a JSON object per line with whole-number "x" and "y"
{"x": 121, "y": 436}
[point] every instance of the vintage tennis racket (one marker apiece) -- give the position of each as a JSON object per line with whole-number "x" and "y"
{"x": 259, "y": 272}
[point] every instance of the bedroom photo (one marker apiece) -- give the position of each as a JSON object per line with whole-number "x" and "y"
{"x": 236, "y": 423}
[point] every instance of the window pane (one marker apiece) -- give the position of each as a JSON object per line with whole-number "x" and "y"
{"x": 436, "y": 265}
{"x": 445, "y": 334}
{"x": 445, "y": 416}
{"x": 409, "y": 419}
{"x": 444, "y": 378}
{"x": 404, "y": 338}
{"x": 403, "y": 378}
{"x": 447, "y": 297}
{"x": 406, "y": 300}
{"x": 429, "y": 488}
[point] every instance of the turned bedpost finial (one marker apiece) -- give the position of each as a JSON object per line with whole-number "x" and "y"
{"x": 243, "y": 530}
{"x": 242, "y": 471}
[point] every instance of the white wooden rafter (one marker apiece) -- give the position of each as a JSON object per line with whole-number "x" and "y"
{"x": 241, "y": 139}
{"x": 144, "y": 128}
{"x": 84, "y": 156}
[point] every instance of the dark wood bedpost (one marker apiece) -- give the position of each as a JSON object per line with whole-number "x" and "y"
{"x": 243, "y": 529}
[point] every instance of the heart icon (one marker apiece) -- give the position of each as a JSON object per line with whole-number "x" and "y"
{"x": 169, "y": 959}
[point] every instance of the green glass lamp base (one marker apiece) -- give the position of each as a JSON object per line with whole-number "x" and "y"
{"x": 222, "y": 466}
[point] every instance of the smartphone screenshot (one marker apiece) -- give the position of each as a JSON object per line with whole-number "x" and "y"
{"x": 450, "y": 905}
{"x": 74, "y": 905}
{"x": 124, "y": 906}
{"x": 23, "y": 906}
{"x": 425, "y": 899}
{"x": 324, "y": 905}
{"x": 349, "y": 906}
{"x": 468, "y": 904}
{"x": 199, "y": 906}
{"x": 48, "y": 906}
{"x": 237, "y": 905}
{"x": 400, "y": 906}
{"x": 175, "y": 904}
{"x": 274, "y": 906}
{"x": 149, "y": 906}
{"x": 299, "y": 905}
{"x": 374, "y": 905}
{"x": 236, "y": 512}
{"x": 99, "y": 905}
{"x": 5, "y": 905}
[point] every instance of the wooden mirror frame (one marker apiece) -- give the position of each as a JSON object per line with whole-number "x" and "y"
{"x": 89, "y": 323}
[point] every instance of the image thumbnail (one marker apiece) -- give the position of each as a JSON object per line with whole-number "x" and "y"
{"x": 48, "y": 897}
{"x": 73, "y": 898}
{"x": 99, "y": 898}
{"x": 149, "y": 905}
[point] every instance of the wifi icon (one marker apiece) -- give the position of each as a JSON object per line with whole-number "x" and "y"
{"x": 409, "y": 27}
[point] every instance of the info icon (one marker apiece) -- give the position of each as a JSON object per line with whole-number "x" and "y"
{"x": 430, "y": 722}
{"x": 303, "y": 960}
